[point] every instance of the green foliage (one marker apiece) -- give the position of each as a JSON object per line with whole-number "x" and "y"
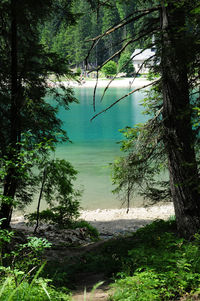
{"x": 40, "y": 290}
{"x": 92, "y": 231}
{"x": 59, "y": 193}
{"x": 152, "y": 264}
{"x": 125, "y": 64}
{"x": 29, "y": 158}
{"x": 61, "y": 216}
{"x": 161, "y": 267}
{"x": 70, "y": 39}
{"x": 109, "y": 69}
{"x": 17, "y": 281}
{"x": 5, "y": 238}
{"x": 59, "y": 188}
{"x": 143, "y": 167}
{"x": 25, "y": 72}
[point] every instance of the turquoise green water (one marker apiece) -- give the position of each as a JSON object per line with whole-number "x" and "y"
{"x": 95, "y": 143}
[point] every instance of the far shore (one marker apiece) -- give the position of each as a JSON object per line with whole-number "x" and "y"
{"x": 102, "y": 83}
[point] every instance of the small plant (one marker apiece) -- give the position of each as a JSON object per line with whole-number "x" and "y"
{"x": 20, "y": 279}
{"x": 58, "y": 190}
{"x": 92, "y": 231}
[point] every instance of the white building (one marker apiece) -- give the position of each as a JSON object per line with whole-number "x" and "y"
{"x": 139, "y": 57}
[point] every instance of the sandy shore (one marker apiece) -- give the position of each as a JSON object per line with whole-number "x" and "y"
{"x": 102, "y": 83}
{"x": 153, "y": 212}
{"x": 111, "y": 222}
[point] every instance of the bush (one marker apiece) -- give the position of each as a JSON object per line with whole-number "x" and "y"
{"x": 62, "y": 216}
{"x": 161, "y": 266}
{"x": 59, "y": 193}
{"x": 92, "y": 231}
{"x": 109, "y": 69}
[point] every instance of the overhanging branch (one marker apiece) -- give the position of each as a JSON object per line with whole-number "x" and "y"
{"x": 133, "y": 91}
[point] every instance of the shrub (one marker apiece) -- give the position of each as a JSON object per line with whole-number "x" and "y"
{"x": 109, "y": 69}
{"x": 92, "y": 231}
{"x": 59, "y": 193}
{"x": 161, "y": 266}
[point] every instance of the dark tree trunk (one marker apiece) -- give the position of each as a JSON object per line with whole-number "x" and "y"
{"x": 10, "y": 182}
{"x": 179, "y": 140}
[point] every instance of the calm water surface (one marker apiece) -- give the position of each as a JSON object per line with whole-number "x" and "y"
{"x": 95, "y": 143}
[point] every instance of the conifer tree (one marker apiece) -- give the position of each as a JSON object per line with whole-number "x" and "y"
{"x": 25, "y": 69}
{"x": 175, "y": 27}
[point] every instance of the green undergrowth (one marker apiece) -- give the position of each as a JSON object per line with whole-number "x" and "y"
{"x": 161, "y": 266}
{"x": 40, "y": 290}
{"x": 21, "y": 267}
{"x": 152, "y": 264}
{"x": 92, "y": 231}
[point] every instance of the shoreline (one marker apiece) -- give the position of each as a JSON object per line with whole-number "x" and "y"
{"x": 114, "y": 222}
{"x": 102, "y": 83}
{"x": 153, "y": 212}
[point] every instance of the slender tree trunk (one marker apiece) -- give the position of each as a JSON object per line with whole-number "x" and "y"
{"x": 39, "y": 200}
{"x": 179, "y": 140}
{"x": 10, "y": 182}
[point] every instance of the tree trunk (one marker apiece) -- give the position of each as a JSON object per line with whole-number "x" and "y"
{"x": 10, "y": 182}
{"x": 179, "y": 140}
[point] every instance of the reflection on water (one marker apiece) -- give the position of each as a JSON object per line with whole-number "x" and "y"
{"x": 95, "y": 143}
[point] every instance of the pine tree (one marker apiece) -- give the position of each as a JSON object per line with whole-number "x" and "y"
{"x": 24, "y": 74}
{"x": 175, "y": 26}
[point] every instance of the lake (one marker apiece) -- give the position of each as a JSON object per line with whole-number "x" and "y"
{"x": 95, "y": 143}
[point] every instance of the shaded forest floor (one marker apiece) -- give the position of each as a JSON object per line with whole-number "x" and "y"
{"x": 143, "y": 261}
{"x": 153, "y": 263}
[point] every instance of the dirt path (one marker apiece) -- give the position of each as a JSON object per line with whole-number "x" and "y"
{"x": 89, "y": 286}
{"x": 86, "y": 287}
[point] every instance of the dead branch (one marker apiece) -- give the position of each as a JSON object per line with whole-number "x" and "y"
{"x": 133, "y": 91}
{"x": 108, "y": 85}
{"x": 141, "y": 66}
{"x": 94, "y": 94}
{"x": 123, "y": 48}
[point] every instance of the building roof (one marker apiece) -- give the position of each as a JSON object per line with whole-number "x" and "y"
{"x": 144, "y": 55}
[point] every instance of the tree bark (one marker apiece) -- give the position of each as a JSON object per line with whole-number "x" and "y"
{"x": 10, "y": 181}
{"x": 179, "y": 139}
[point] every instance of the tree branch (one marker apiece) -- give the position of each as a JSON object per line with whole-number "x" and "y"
{"x": 123, "y": 48}
{"x": 114, "y": 103}
{"x": 104, "y": 92}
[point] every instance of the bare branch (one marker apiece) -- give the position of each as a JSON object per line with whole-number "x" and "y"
{"x": 94, "y": 94}
{"x": 194, "y": 93}
{"x": 141, "y": 67}
{"x": 108, "y": 85}
{"x": 114, "y": 103}
{"x": 123, "y": 48}
{"x": 94, "y": 43}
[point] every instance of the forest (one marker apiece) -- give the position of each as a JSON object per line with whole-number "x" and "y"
{"x": 44, "y": 42}
{"x": 73, "y": 42}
